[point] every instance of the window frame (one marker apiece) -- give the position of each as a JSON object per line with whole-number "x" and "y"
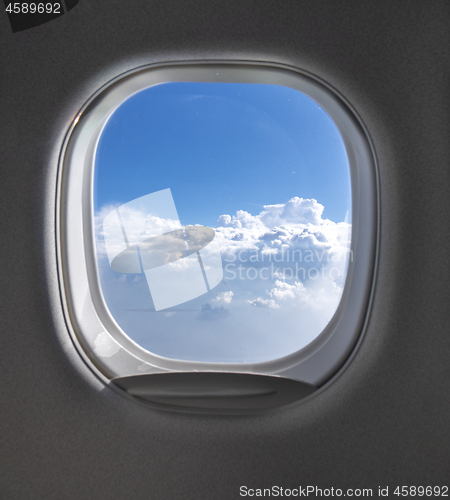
{"x": 100, "y": 341}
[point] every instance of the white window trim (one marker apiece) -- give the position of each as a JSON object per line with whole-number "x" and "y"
{"x": 100, "y": 340}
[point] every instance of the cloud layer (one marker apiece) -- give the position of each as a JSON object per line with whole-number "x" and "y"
{"x": 290, "y": 246}
{"x": 284, "y": 272}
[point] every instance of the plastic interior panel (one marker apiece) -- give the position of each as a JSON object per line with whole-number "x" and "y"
{"x": 215, "y": 391}
{"x": 383, "y": 421}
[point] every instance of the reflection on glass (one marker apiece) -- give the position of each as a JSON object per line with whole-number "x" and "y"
{"x": 223, "y": 220}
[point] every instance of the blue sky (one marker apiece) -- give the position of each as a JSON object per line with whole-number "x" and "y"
{"x": 222, "y": 148}
{"x": 264, "y": 166}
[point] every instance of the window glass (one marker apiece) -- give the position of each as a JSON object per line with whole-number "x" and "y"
{"x": 222, "y": 220}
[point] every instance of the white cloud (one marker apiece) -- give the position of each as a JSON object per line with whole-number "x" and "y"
{"x": 295, "y": 226}
{"x": 326, "y": 293}
{"x": 295, "y": 211}
{"x": 307, "y": 255}
{"x": 140, "y": 226}
{"x": 260, "y": 302}
{"x": 284, "y": 291}
{"x": 273, "y": 249}
{"x": 226, "y": 297}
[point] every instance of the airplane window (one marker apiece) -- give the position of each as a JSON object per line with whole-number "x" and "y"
{"x": 222, "y": 220}
{"x": 217, "y": 217}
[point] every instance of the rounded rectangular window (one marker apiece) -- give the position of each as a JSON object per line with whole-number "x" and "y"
{"x": 217, "y": 217}
{"x": 223, "y": 220}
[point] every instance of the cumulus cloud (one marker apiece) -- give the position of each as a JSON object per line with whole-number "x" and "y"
{"x": 292, "y": 238}
{"x": 260, "y": 302}
{"x": 284, "y": 271}
{"x": 295, "y": 211}
{"x": 313, "y": 297}
{"x": 139, "y": 226}
{"x": 287, "y": 255}
{"x": 226, "y": 297}
{"x": 286, "y": 232}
